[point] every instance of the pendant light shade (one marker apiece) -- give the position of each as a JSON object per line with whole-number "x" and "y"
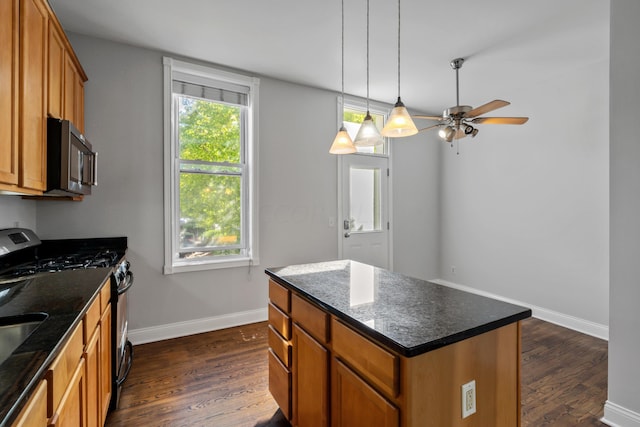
{"x": 368, "y": 135}
{"x": 342, "y": 143}
{"x": 400, "y": 122}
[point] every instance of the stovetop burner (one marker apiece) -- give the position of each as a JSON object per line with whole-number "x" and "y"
{"x": 67, "y": 262}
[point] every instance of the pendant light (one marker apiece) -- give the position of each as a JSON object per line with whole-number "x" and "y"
{"x": 368, "y": 135}
{"x": 342, "y": 143}
{"x": 399, "y": 123}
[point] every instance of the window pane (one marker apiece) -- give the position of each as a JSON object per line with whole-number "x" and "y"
{"x": 209, "y": 130}
{"x": 364, "y": 199}
{"x": 210, "y": 212}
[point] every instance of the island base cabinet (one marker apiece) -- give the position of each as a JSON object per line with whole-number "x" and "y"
{"x": 280, "y": 384}
{"x": 356, "y": 404}
{"x": 310, "y": 381}
{"x": 434, "y": 382}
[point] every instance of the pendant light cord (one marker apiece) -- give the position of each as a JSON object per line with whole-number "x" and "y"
{"x": 367, "y": 57}
{"x": 342, "y": 46}
{"x": 398, "y": 49}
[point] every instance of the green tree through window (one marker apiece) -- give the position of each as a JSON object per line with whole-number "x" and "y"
{"x": 211, "y": 174}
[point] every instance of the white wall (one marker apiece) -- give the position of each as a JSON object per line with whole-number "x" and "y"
{"x": 623, "y": 405}
{"x": 14, "y": 211}
{"x": 416, "y": 211}
{"x": 525, "y": 208}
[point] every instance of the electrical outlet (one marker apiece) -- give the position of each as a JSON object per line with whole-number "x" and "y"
{"x": 469, "y": 399}
{"x": 453, "y": 270}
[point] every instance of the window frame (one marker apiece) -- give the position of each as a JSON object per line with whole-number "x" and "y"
{"x": 201, "y": 73}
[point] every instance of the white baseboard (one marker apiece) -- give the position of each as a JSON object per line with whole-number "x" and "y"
{"x": 191, "y": 327}
{"x": 618, "y": 416}
{"x": 581, "y": 325}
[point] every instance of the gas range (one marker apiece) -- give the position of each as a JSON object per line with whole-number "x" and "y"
{"x": 23, "y": 254}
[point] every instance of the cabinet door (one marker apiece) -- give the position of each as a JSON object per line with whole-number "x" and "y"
{"x": 69, "y": 90}
{"x": 105, "y": 361}
{"x": 56, "y": 73}
{"x": 34, "y": 414}
{"x": 33, "y": 69}
{"x": 356, "y": 404}
{"x": 310, "y": 381}
{"x": 91, "y": 356}
{"x": 72, "y": 409}
{"x": 9, "y": 69}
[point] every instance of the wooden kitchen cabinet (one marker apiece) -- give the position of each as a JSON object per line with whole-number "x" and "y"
{"x": 9, "y": 70}
{"x": 105, "y": 358}
{"x": 310, "y": 381}
{"x": 41, "y": 76}
{"x": 97, "y": 355}
{"x": 72, "y": 412}
{"x": 66, "y": 378}
{"x": 34, "y": 414}
{"x": 34, "y": 17}
{"x": 356, "y": 404}
{"x": 65, "y": 78}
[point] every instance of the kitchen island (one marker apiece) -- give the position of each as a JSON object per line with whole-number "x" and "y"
{"x": 355, "y": 345}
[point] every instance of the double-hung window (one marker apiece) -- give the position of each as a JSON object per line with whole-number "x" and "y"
{"x": 210, "y": 168}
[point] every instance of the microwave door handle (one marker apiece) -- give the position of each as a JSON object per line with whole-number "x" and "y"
{"x": 94, "y": 169}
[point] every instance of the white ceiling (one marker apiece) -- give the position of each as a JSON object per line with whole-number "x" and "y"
{"x": 506, "y": 42}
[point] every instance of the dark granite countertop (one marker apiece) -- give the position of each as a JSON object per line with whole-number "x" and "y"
{"x": 408, "y": 315}
{"x": 65, "y": 297}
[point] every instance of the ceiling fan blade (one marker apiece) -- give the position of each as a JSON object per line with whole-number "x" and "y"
{"x": 489, "y": 106}
{"x": 501, "y": 120}
{"x": 429, "y": 128}
{"x": 428, "y": 117}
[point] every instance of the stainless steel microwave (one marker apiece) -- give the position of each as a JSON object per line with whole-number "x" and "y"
{"x": 72, "y": 165}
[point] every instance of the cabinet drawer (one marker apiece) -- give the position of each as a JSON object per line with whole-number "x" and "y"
{"x": 280, "y": 347}
{"x": 62, "y": 369}
{"x": 91, "y": 319}
{"x": 280, "y": 296}
{"x": 105, "y": 295}
{"x": 311, "y": 318}
{"x": 373, "y": 362}
{"x": 280, "y": 321}
{"x": 280, "y": 384}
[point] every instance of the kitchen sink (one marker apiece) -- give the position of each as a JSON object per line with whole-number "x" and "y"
{"x": 14, "y": 330}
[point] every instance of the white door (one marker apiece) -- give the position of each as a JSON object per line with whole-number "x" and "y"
{"x": 365, "y": 209}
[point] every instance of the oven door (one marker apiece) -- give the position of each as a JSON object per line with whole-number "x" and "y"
{"x": 122, "y": 347}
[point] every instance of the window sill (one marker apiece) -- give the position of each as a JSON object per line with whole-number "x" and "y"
{"x": 185, "y": 267}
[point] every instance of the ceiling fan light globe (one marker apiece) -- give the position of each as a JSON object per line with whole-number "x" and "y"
{"x": 342, "y": 143}
{"x": 400, "y": 123}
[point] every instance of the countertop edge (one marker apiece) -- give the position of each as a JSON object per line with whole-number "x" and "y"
{"x": 387, "y": 342}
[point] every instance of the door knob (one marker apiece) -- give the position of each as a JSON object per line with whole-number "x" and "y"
{"x": 347, "y": 234}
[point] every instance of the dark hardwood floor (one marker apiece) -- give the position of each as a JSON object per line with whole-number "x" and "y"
{"x": 220, "y": 379}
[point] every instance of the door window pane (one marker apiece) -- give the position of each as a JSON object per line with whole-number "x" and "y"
{"x": 364, "y": 197}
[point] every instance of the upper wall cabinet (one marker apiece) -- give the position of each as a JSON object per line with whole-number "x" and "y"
{"x": 9, "y": 68}
{"x": 66, "y": 78}
{"x": 39, "y": 76}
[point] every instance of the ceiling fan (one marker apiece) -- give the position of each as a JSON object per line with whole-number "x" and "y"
{"x": 458, "y": 122}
